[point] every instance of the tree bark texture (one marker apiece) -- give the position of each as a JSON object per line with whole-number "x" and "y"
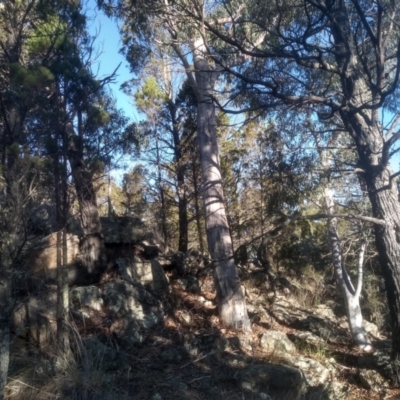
{"x": 5, "y": 315}
{"x": 61, "y": 255}
{"x": 197, "y": 205}
{"x": 92, "y": 243}
{"x": 231, "y": 302}
{"x": 385, "y": 205}
{"x": 363, "y": 124}
{"x": 183, "y": 239}
{"x": 182, "y": 212}
{"x": 383, "y": 195}
{"x": 160, "y": 185}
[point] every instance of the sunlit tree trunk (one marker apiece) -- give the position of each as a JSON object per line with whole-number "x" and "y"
{"x": 231, "y": 302}
{"x": 373, "y": 164}
{"x": 350, "y": 294}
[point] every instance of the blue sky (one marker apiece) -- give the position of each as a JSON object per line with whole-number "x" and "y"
{"x": 109, "y": 43}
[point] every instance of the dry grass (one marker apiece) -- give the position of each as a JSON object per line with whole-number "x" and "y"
{"x": 79, "y": 374}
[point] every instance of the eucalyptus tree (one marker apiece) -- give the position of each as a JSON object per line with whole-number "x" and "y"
{"x": 340, "y": 57}
{"x": 330, "y": 162}
{"x": 144, "y": 23}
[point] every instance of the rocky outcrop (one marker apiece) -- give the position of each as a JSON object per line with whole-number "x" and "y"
{"x": 278, "y": 381}
{"x": 131, "y": 302}
{"x": 149, "y": 273}
{"x": 275, "y": 341}
{"x": 320, "y": 321}
{"x": 121, "y": 234}
{"x": 86, "y": 297}
{"x": 126, "y": 309}
{"x": 44, "y": 253}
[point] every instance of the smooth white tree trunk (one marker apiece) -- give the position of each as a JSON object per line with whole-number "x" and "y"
{"x": 351, "y": 295}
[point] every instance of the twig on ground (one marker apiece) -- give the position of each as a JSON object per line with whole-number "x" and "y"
{"x": 197, "y": 359}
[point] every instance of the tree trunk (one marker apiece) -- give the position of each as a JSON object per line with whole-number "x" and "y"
{"x": 363, "y": 124}
{"x": 162, "y": 195}
{"x": 61, "y": 244}
{"x": 92, "y": 243}
{"x": 383, "y": 195}
{"x": 182, "y": 210}
{"x": 231, "y": 302}
{"x": 180, "y": 178}
{"x": 197, "y": 205}
{"x": 5, "y": 313}
{"x": 12, "y": 121}
{"x": 351, "y": 296}
{"x": 65, "y": 287}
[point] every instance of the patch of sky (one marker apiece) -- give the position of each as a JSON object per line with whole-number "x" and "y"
{"x": 109, "y": 58}
{"x": 108, "y": 44}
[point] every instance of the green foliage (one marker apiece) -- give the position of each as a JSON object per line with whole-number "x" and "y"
{"x": 134, "y": 191}
{"x": 30, "y": 77}
{"x": 302, "y": 249}
{"x": 14, "y": 150}
{"x": 150, "y": 97}
{"x": 50, "y": 33}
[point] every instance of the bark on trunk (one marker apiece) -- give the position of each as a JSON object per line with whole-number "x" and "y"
{"x": 182, "y": 212}
{"x": 363, "y": 124}
{"x": 65, "y": 288}
{"x": 92, "y": 244}
{"x": 351, "y": 296}
{"x": 61, "y": 243}
{"x": 180, "y": 178}
{"x": 384, "y": 198}
{"x": 5, "y": 313}
{"x": 197, "y": 206}
{"x": 12, "y": 120}
{"x": 383, "y": 195}
{"x": 162, "y": 195}
{"x": 231, "y": 302}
